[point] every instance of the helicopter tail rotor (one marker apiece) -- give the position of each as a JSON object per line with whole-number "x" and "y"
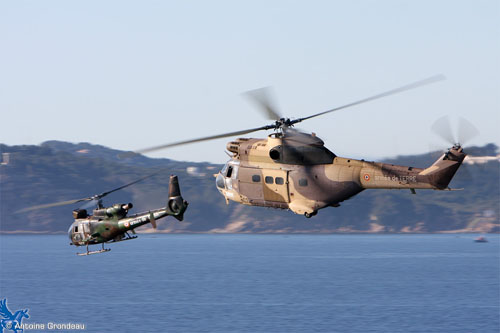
{"x": 465, "y": 133}
{"x": 457, "y": 139}
{"x": 176, "y": 205}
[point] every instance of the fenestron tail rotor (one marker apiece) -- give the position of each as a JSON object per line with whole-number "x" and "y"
{"x": 261, "y": 97}
{"x": 95, "y": 199}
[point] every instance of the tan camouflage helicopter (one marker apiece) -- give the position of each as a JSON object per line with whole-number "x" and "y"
{"x": 294, "y": 170}
{"x": 111, "y": 224}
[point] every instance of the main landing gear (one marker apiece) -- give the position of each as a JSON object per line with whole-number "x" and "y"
{"x": 93, "y": 252}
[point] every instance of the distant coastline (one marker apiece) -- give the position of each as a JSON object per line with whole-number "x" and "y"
{"x": 58, "y": 171}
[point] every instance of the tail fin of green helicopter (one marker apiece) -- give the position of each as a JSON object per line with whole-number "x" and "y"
{"x": 176, "y": 205}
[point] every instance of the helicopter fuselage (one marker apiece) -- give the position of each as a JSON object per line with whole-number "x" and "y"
{"x": 112, "y": 224}
{"x": 96, "y": 229}
{"x": 304, "y": 176}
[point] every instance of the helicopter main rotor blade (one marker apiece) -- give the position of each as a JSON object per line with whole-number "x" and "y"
{"x": 54, "y": 204}
{"x": 94, "y": 198}
{"x": 90, "y": 203}
{"x": 262, "y": 97}
{"x": 206, "y": 138}
{"x": 99, "y": 196}
{"x": 410, "y": 86}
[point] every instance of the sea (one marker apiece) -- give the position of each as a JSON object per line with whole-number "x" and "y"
{"x": 255, "y": 283}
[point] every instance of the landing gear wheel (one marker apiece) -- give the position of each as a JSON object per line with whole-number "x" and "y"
{"x": 309, "y": 215}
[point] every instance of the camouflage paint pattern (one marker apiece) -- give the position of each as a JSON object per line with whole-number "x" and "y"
{"x": 304, "y": 176}
{"x": 111, "y": 224}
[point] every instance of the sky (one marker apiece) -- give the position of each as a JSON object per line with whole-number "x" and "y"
{"x": 134, "y": 74}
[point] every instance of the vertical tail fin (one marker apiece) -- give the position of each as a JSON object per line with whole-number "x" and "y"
{"x": 176, "y": 205}
{"x": 442, "y": 171}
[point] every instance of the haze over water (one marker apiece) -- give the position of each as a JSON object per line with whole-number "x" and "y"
{"x": 258, "y": 283}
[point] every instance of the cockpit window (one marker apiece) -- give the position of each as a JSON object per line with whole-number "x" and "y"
{"x": 229, "y": 171}
{"x": 76, "y": 228}
{"x": 223, "y": 171}
{"x": 219, "y": 181}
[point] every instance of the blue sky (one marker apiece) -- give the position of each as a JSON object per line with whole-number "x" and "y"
{"x": 133, "y": 74}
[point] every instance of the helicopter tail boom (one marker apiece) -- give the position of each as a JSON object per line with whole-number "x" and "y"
{"x": 389, "y": 176}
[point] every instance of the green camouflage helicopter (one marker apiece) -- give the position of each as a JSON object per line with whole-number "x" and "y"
{"x": 293, "y": 170}
{"x": 111, "y": 224}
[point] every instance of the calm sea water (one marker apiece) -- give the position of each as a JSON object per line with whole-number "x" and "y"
{"x": 258, "y": 283}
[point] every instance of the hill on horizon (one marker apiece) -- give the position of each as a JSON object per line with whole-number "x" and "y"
{"x": 57, "y": 171}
